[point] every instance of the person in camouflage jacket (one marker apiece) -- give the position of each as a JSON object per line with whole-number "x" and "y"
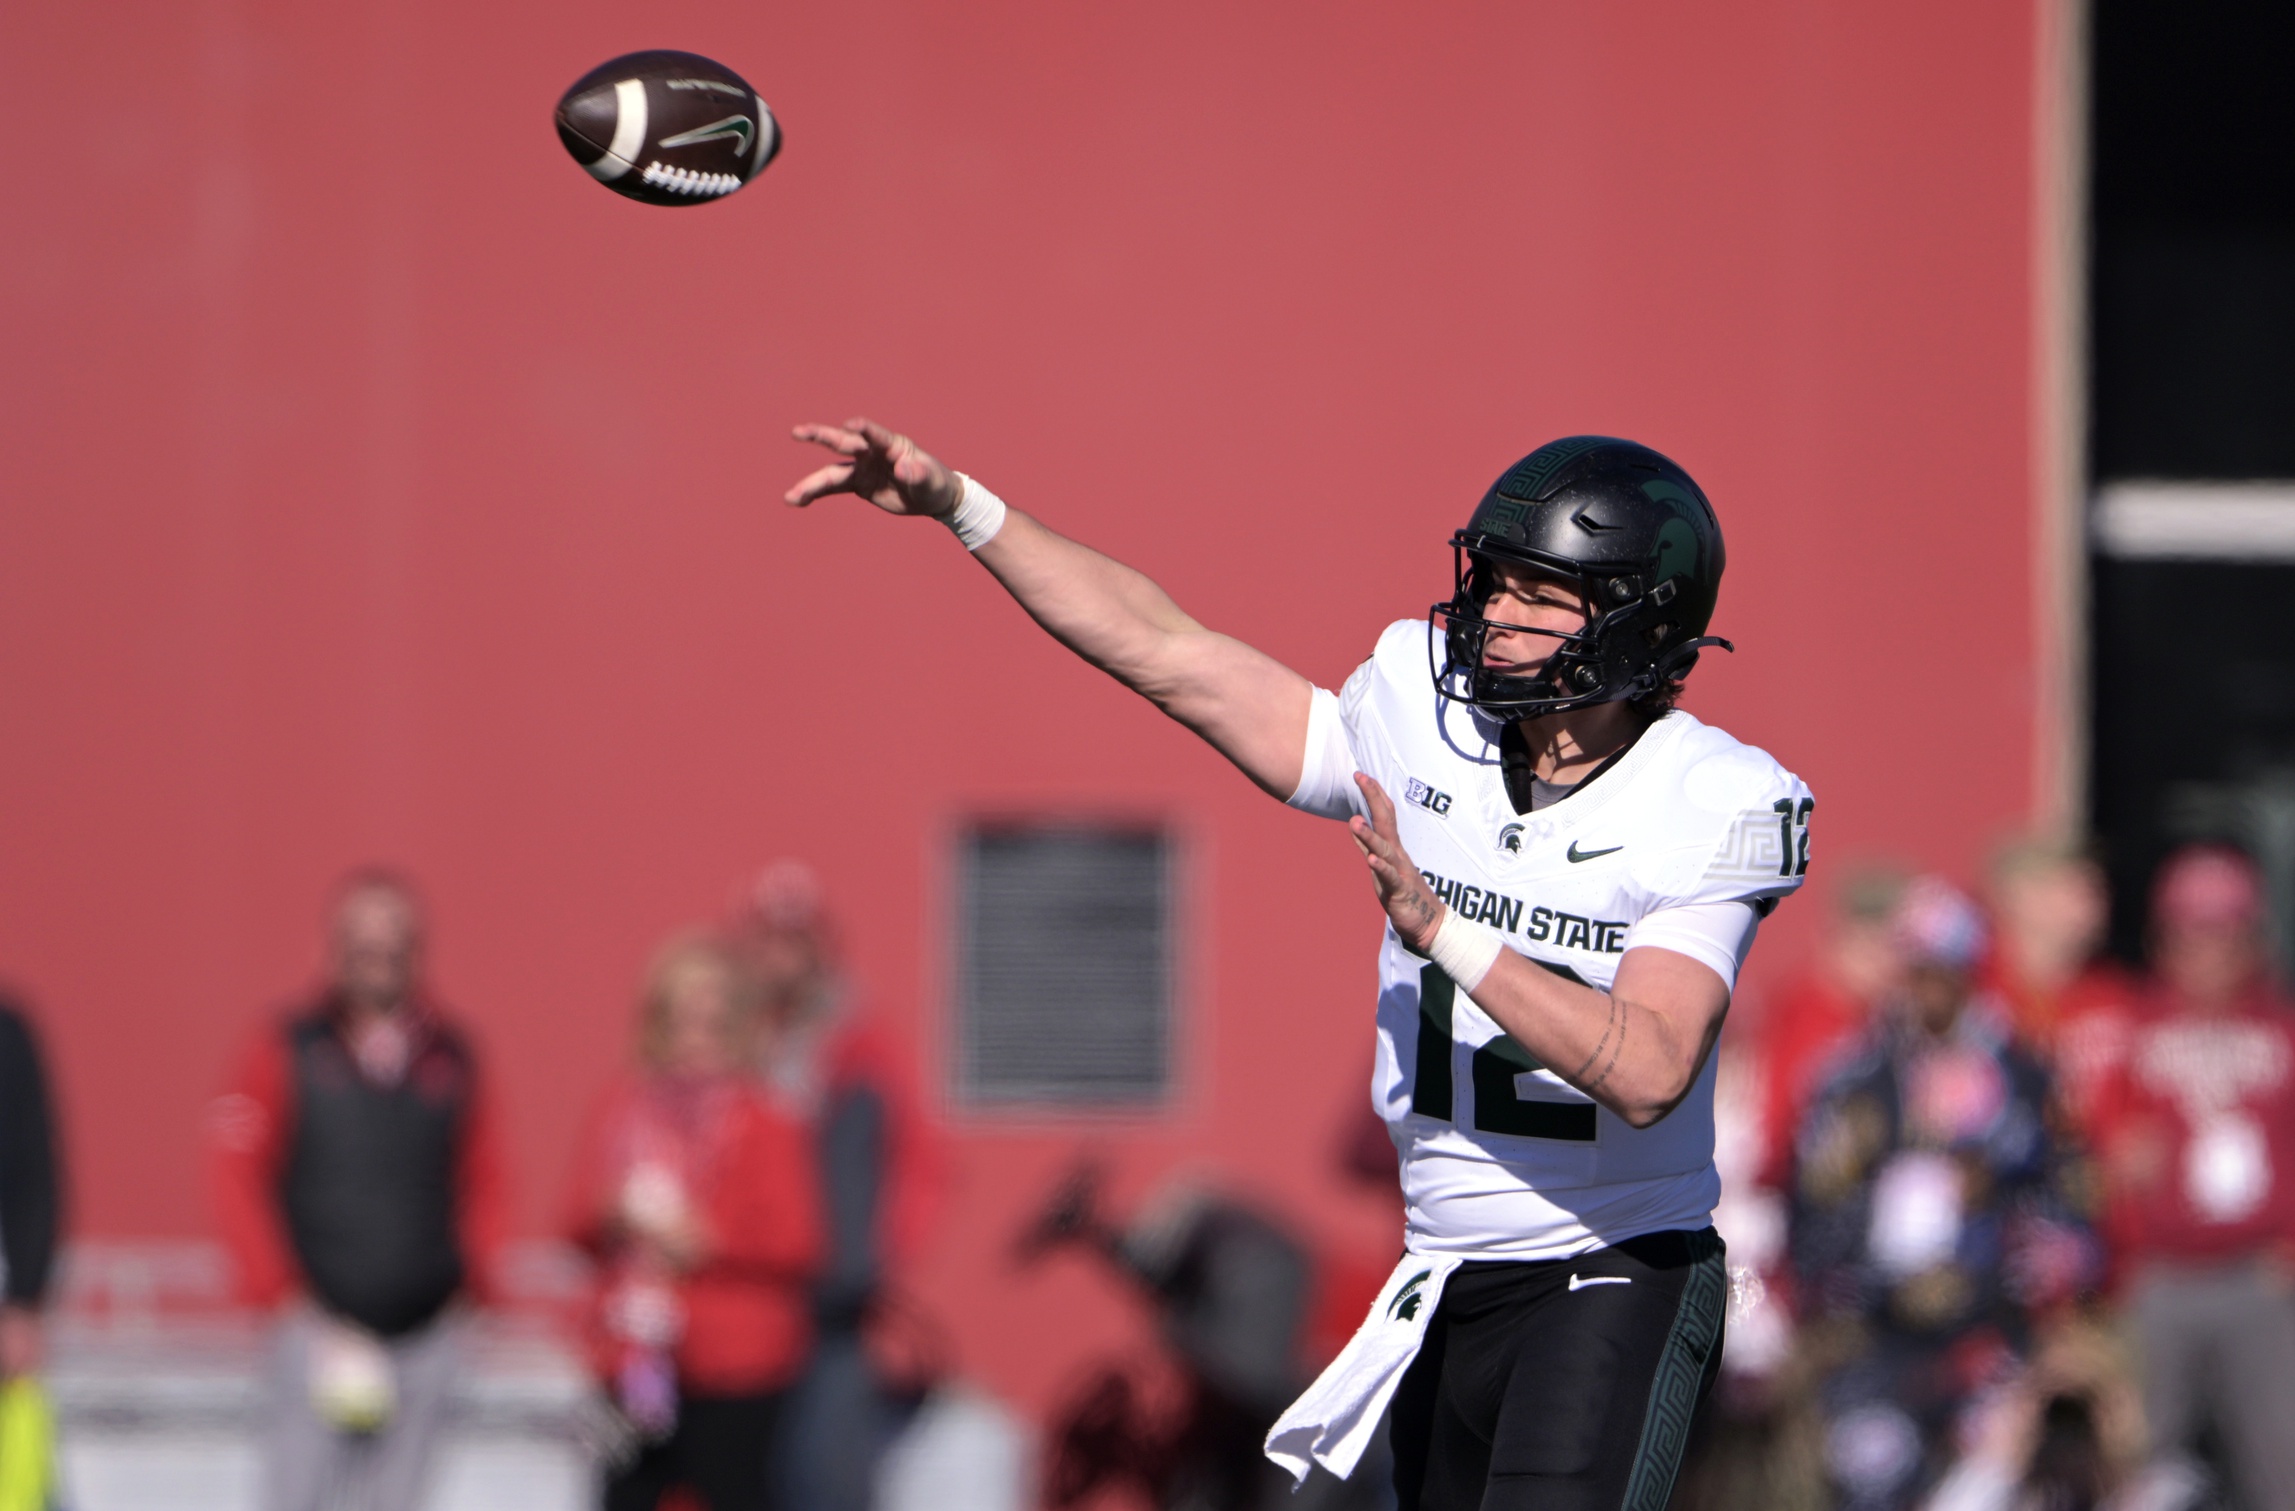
{"x": 1935, "y": 1212}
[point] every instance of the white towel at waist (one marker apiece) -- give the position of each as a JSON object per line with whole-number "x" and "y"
{"x": 1331, "y": 1424}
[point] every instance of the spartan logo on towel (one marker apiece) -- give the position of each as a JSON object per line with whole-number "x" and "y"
{"x": 1568, "y": 931}
{"x": 1405, "y": 1306}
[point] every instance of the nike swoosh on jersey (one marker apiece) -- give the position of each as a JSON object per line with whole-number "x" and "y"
{"x": 1580, "y": 1282}
{"x": 1574, "y": 854}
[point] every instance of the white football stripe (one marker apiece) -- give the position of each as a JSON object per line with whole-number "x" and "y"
{"x": 767, "y": 130}
{"x": 629, "y": 132}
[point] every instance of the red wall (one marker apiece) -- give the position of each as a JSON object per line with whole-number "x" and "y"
{"x": 375, "y": 485}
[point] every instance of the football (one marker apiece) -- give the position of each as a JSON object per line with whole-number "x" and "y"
{"x": 668, "y": 128}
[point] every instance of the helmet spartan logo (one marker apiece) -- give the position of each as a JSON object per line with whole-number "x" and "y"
{"x": 1407, "y": 1300}
{"x": 1510, "y": 839}
{"x": 737, "y": 129}
{"x": 1677, "y": 537}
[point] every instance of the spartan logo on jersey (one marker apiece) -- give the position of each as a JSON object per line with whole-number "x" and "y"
{"x": 1510, "y": 839}
{"x": 1426, "y": 797}
{"x": 1404, "y": 1308}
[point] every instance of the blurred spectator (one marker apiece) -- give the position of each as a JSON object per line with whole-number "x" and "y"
{"x": 822, "y": 1063}
{"x": 2066, "y": 1001}
{"x": 699, "y": 1202}
{"x": 2199, "y": 1142}
{"x": 31, "y": 1198}
{"x": 1233, "y": 1293}
{"x": 2066, "y": 1434}
{"x": 1929, "y": 1224}
{"x": 1824, "y": 1010}
{"x": 359, "y": 1189}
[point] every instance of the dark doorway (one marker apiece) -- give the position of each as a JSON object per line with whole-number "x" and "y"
{"x": 2192, "y": 325}
{"x": 2195, "y": 719}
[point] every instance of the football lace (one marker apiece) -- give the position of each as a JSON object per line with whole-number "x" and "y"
{"x": 686, "y": 181}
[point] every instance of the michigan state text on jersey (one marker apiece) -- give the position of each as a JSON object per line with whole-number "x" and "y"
{"x": 1572, "y": 871}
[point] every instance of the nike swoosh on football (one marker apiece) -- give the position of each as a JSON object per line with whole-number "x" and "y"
{"x": 734, "y": 127}
{"x": 1579, "y": 1283}
{"x": 1575, "y": 854}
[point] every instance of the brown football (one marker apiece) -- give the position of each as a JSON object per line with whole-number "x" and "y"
{"x": 670, "y": 128}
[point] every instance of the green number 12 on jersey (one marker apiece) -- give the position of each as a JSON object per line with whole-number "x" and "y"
{"x": 1497, "y": 1107}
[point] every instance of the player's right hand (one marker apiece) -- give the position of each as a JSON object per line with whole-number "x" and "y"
{"x": 886, "y": 468}
{"x": 1410, "y": 903}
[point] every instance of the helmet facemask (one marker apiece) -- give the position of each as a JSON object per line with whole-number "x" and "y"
{"x": 1620, "y": 652}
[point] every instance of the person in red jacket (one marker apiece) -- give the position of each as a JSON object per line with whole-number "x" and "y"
{"x": 699, "y": 1202}
{"x": 2065, "y": 1000}
{"x": 358, "y": 1184}
{"x": 822, "y": 1061}
{"x": 2199, "y": 1143}
{"x": 1821, "y": 1012}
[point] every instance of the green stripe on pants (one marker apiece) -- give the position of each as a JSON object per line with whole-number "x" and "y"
{"x": 1690, "y": 1350}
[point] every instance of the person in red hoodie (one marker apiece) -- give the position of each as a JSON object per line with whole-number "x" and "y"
{"x": 359, "y": 1189}
{"x": 2198, "y": 1135}
{"x": 700, "y": 1204}
{"x": 2064, "y": 998}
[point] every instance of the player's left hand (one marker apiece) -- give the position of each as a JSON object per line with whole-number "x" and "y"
{"x": 1410, "y": 903}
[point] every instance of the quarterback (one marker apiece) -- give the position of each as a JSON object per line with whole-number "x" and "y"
{"x": 1572, "y": 871}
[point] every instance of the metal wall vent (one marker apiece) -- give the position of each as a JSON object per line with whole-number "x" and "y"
{"x": 1063, "y": 967}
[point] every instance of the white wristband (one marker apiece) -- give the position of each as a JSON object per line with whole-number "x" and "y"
{"x": 1464, "y": 949}
{"x": 978, "y": 514}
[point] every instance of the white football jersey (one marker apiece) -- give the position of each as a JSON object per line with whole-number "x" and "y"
{"x": 1500, "y": 1157}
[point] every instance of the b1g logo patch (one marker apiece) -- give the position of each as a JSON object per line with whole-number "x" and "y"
{"x": 1426, "y": 797}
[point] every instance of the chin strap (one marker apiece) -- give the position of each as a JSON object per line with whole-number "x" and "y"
{"x": 1682, "y": 655}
